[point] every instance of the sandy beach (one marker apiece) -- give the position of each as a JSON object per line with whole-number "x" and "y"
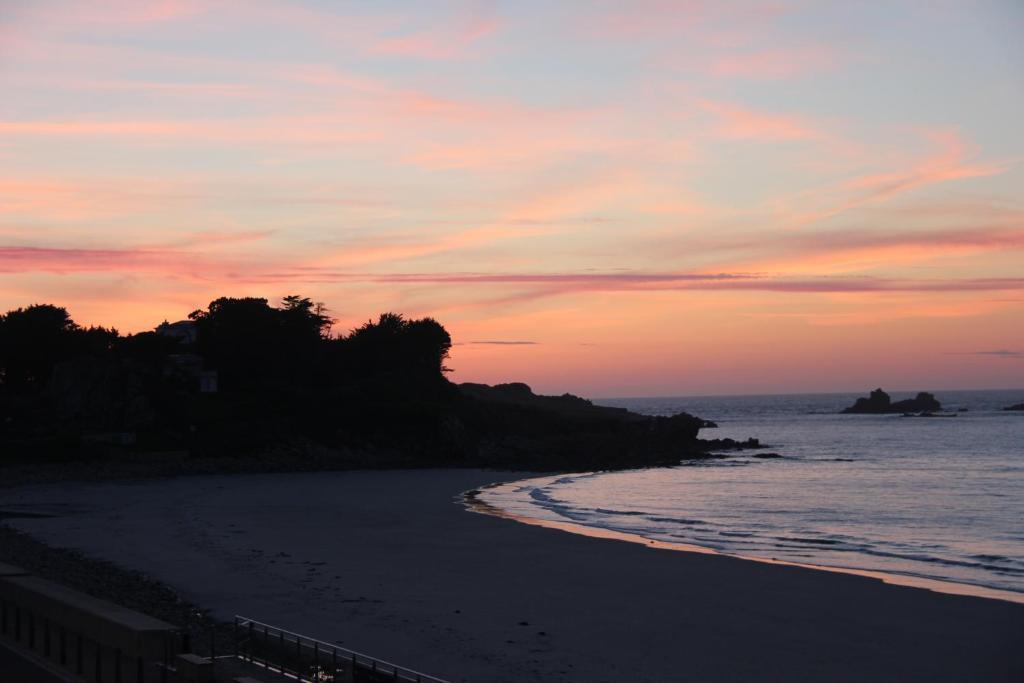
{"x": 392, "y": 564}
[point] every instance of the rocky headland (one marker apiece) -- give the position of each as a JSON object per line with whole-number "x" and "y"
{"x": 245, "y": 385}
{"x": 514, "y": 428}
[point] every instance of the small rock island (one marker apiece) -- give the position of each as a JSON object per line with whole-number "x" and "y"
{"x": 879, "y": 403}
{"x": 1018, "y": 406}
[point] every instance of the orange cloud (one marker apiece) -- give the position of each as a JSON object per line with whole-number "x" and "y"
{"x": 855, "y": 309}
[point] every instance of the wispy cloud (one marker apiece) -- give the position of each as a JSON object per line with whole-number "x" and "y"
{"x": 953, "y": 161}
{"x": 997, "y": 353}
{"x": 107, "y": 12}
{"x": 744, "y": 123}
{"x": 774, "y": 64}
{"x": 500, "y": 342}
{"x": 21, "y": 259}
{"x": 645, "y": 20}
{"x": 510, "y": 167}
{"x": 446, "y": 43}
{"x": 298, "y": 129}
{"x": 952, "y": 158}
{"x": 568, "y": 282}
{"x": 235, "y": 268}
{"x": 853, "y": 249}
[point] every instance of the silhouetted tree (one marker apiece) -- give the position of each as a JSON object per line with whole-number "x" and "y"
{"x": 252, "y": 343}
{"x": 394, "y": 345}
{"x": 428, "y": 345}
{"x": 304, "y": 318}
{"x": 35, "y": 338}
{"x": 237, "y": 337}
{"x": 147, "y": 347}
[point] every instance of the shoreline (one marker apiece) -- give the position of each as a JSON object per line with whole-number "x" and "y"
{"x": 472, "y": 597}
{"x": 473, "y": 503}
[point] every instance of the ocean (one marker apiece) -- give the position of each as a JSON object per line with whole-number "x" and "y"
{"x": 928, "y": 498}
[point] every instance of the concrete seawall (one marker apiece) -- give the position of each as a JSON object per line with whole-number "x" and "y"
{"x": 87, "y": 638}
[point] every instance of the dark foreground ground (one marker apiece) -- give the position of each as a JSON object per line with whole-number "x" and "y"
{"x": 389, "y": 564}
{"x": 17, "y": 669}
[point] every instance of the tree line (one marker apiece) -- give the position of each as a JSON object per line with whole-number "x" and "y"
{"x": 250, "y": 343}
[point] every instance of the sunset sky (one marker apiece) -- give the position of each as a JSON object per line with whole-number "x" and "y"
{"x": 605, "y": 198}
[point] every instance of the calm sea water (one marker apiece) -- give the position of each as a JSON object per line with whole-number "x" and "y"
{"x": 939, "y": 498}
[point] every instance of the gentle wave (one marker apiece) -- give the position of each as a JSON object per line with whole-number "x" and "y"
{"x": 938, "y": 499}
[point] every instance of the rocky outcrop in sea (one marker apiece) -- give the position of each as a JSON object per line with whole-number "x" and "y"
{"x": 879, "y": 403}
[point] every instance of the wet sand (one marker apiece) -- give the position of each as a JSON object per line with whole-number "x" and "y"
{"x": 391, "y": 564}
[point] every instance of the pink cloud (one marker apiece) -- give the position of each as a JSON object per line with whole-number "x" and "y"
{"x": 23, "y": 259}
{"x": 190, "y": 263}
{"x": 189, "y": 256}
{"x": 107, "y": 12}
{"x": 278, "y": 130}
{"x": 438, "y": 44}
{"x": 364, "y": 252}
{"x": 417, "y": 127}
{"x": 748, "y": 124}
{"x": 209, "y": 238}
{"x": 646, "y": 18}
{"x": 774, "y": 64}
{"x": 700, "y": 21}
{"x": 862, "y": 249}
{"x": 953, "y": 160}
{"x": 576, "y": 282}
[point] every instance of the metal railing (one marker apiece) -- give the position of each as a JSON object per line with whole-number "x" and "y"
{"x": 306, "y": 659}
